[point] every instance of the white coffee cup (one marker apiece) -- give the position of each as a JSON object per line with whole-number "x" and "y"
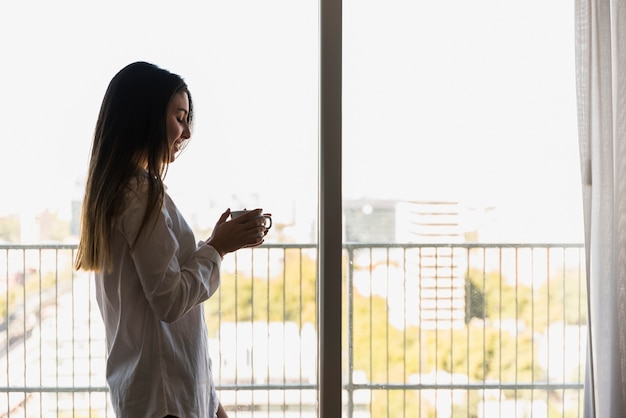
{"x": 234, "y": 214}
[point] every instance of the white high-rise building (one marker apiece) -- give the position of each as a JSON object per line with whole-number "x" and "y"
{"x": 437, "y": 272}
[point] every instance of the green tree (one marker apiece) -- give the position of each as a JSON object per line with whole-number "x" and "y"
{"x": 561, "y": 298}
{"x": 289, "y": 295}
{"x": 10, "y": 228}
{"x": 496, "y": 344}
{"x": 386, "y": 354}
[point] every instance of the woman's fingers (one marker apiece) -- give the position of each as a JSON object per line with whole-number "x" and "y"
{"x": 247, "y": 230}
{"x": 224, "y": 217}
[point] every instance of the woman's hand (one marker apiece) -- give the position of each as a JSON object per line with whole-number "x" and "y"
{"x": 247, "y": 230}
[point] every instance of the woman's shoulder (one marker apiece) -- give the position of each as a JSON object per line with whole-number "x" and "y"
{"x": 136, "y": 190}
{"x": 135, "y": 203}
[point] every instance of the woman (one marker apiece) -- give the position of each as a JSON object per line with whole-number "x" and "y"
{"x": 151, "y": 275}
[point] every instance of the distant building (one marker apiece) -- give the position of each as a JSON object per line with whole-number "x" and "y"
{"x": 30, "y": 226}
{"x": 400, "y": 221}
{"x": 262, "y": 352}
{"x": 440, "y": 271}
{"x": 429, "y": 222}
{"x": 435, "y": 275}
{"x": 273, "y": 354}
{"x": 370, "y": 221}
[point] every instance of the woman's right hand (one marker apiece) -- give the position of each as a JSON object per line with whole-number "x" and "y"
{"x": 247, "y": 230}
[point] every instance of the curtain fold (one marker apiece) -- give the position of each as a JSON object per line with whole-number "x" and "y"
{"x": 601, "y": 96}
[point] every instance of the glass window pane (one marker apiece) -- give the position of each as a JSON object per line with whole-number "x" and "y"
{"x": 462, "y": 204}
{"x": 252, "y": 69}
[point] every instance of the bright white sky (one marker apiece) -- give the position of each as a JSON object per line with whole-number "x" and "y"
{"x": 473, "y": 101}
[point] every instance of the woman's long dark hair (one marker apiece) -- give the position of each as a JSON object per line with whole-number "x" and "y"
{"x": 130, "y": 133}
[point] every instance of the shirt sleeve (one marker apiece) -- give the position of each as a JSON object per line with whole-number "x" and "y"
{"x": 175, "y": 273}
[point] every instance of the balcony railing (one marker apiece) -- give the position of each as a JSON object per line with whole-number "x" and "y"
{"x": 429, "y": 331}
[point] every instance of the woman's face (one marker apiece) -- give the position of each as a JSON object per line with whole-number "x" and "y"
{"x": 176, "y": 123}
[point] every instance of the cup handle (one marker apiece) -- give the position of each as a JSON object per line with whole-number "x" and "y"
{"x": 269, "y": 218}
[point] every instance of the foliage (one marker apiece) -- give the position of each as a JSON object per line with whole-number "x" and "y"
{"x": 558, "y": 300}
{"x": 59, "y": 228}
{"x": 554, "y": 300}
{"x": 51, "y": 227}
{"x": 283, "y": 297}
{"x": 496, "y": 343}
{"x": 10, "y": 228}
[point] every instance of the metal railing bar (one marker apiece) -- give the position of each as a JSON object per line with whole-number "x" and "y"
{"x": 354, "y": 245}
{"x": 356, "y": 386}
{"x": 443, "y": 263}
{"x": 465, "y": 386}
{"x": 52, "y": 389}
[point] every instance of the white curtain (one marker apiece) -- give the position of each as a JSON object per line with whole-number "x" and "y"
{"x": 601, "y": 92}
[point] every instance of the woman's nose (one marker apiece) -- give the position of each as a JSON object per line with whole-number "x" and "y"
{"x": 186, "y": 132}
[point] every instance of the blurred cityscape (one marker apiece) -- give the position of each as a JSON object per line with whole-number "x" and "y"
{"x": 364, "y": 220}
{"x": 493, "y": 329}
{"x": 422, "y": 260}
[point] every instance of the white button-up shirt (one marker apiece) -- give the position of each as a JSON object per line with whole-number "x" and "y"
{"x": 151, "y": 303}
